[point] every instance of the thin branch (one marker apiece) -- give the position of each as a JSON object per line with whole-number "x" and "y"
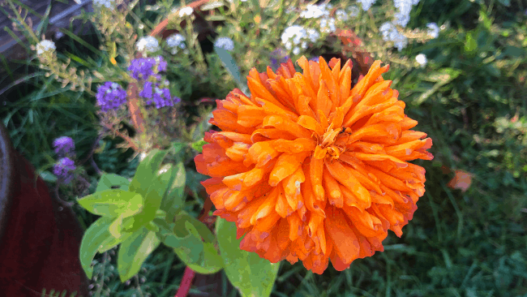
{"x": 126, "y": 138}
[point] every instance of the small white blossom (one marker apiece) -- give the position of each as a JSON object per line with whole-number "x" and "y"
{"x": 225, "y": 43}
{"x": 185, "y": 11}
{"x": 296, "y": 51}
{"x": 366, "y": 4}
{"x": 390, "y": 33}
{"x": 402, "y": 16}
{"x": 293, "y": 36}
{"x": 433, "y": 30}
{"x": 176, "y": 42}
{"x": 147, "y": 44}
{"x": 313, "y": 11}
{"x": 327, "y": 25}
{"x": 44, "y": 46}
{"x": 312, "y": 35}
{"x": 421, "y": 59}
{"x": 353, "y": 11}
{"x": 105, "y": 3}
{"x": 341, "y": 15}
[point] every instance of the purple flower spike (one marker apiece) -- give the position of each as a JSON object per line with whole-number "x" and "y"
{"x": 315, "y": 59}
{"x": 63, "y": 145}
{"x": 161, "y": 64}
{"x": 110, "y": 96}
{"x": 143, "y": 68}
{"x": 160, "y": 97}
{"x": 63, "y": 169}
{"x": 147, "y": 90}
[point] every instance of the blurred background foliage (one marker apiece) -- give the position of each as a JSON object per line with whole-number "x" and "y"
{"x": 471, "y": 98}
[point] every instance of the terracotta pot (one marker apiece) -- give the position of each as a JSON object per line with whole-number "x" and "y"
{"x": 39, "y": 236}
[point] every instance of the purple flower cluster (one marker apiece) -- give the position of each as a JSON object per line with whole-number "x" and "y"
{"x": 160, "y": 97}
{"x": 64, "y": 168}
{"x": 63, "y": 146}
{"x": 110, "y": 96}
{"x": 143, "y": 68}
{"x": 278, "y": 56}
{"x": 314, "y": 59}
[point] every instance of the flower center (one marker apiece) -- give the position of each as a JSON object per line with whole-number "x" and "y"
{"x": 327, "y": 146}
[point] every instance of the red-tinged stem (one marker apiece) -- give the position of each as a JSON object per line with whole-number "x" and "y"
{"x": 186, "y": 282}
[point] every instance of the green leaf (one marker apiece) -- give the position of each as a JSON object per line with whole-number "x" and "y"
{"x": 231, "y": 66}
{"x": 115, "y": 227}
{"x": 147, "y": 171}
{"x": 177, "y": 146}
{"x": 470, "y": 43}
{"x": 110, "y": 181}
{"x": 134, "y": 251}
{"x": 175, "y": 196}
{"x": 93, "y": 238}
{"x": 250, "y": 274}
{"x": 48, "y": 176}
{"x": 192, "y": 242}
{"x": 441, "y": 78}
{"x": 152, "y": 202}
{"x": 112, "y": 203}
{"x": 198, "y": 145}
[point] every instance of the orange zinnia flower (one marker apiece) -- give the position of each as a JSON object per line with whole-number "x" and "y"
{"x": 310, "y": 168}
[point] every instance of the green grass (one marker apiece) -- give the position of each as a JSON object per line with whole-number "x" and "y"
{"x": 458, "y": 244}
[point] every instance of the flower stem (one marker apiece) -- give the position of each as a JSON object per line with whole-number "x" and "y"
{"x": 186, "y": 282}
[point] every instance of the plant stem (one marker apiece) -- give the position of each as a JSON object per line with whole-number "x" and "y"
{"x": 126, "y": 138}
{"x": 186, "y": 282}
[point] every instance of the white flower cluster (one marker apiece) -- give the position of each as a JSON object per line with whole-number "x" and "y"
{"x": 147, "y": 44}
{"x": 327, "y": 25}
{"x": 176, "y": 42}
{"x": 402, "y": 16}
{"x": 390, "y": 33}
{"x": 366, "y": 4}
{"x": 433, "y": 30}
{"x": 314, "y": 11}
{"x": 296, "y": 37}
{"x": 44, "y": 46}
{"x": 225, "y": 43}
{"x": 105, "y": 3}
{"x": 185, "y": 11}
{"x": 343, "y": 15}
{"x": 421, "y": 59}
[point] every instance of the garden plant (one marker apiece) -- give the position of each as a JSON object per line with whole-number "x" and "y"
{"x": 267, "y": 147}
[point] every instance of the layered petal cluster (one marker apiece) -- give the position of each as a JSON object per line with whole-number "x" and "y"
{"x": 312, "y": 168}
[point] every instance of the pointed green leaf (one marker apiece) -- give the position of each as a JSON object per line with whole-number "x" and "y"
{"x": 175, "y": 197}
{"x": 250, "y": 274}
{"x": 94, "y": 236}
{"x": 115, "y": 227}
{"x": 152, "y": 202}
{"x": 231, "y": 66}
{"x": 147, "y": 171}
{"x": 134, "y": 251}
{"x": 112, "y": 203}
{"x": 192, "y": 242}
{"x": 110, "y": 181}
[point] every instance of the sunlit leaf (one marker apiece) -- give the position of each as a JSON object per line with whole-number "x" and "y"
{"x": 93, "y": 238}
{"x": 112, "y": 203}
{"x": 134, "y": 251}
{"x": 110, "y": 181}
{"x": 250, "y": 274}
{"x": 147, "y": 171}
